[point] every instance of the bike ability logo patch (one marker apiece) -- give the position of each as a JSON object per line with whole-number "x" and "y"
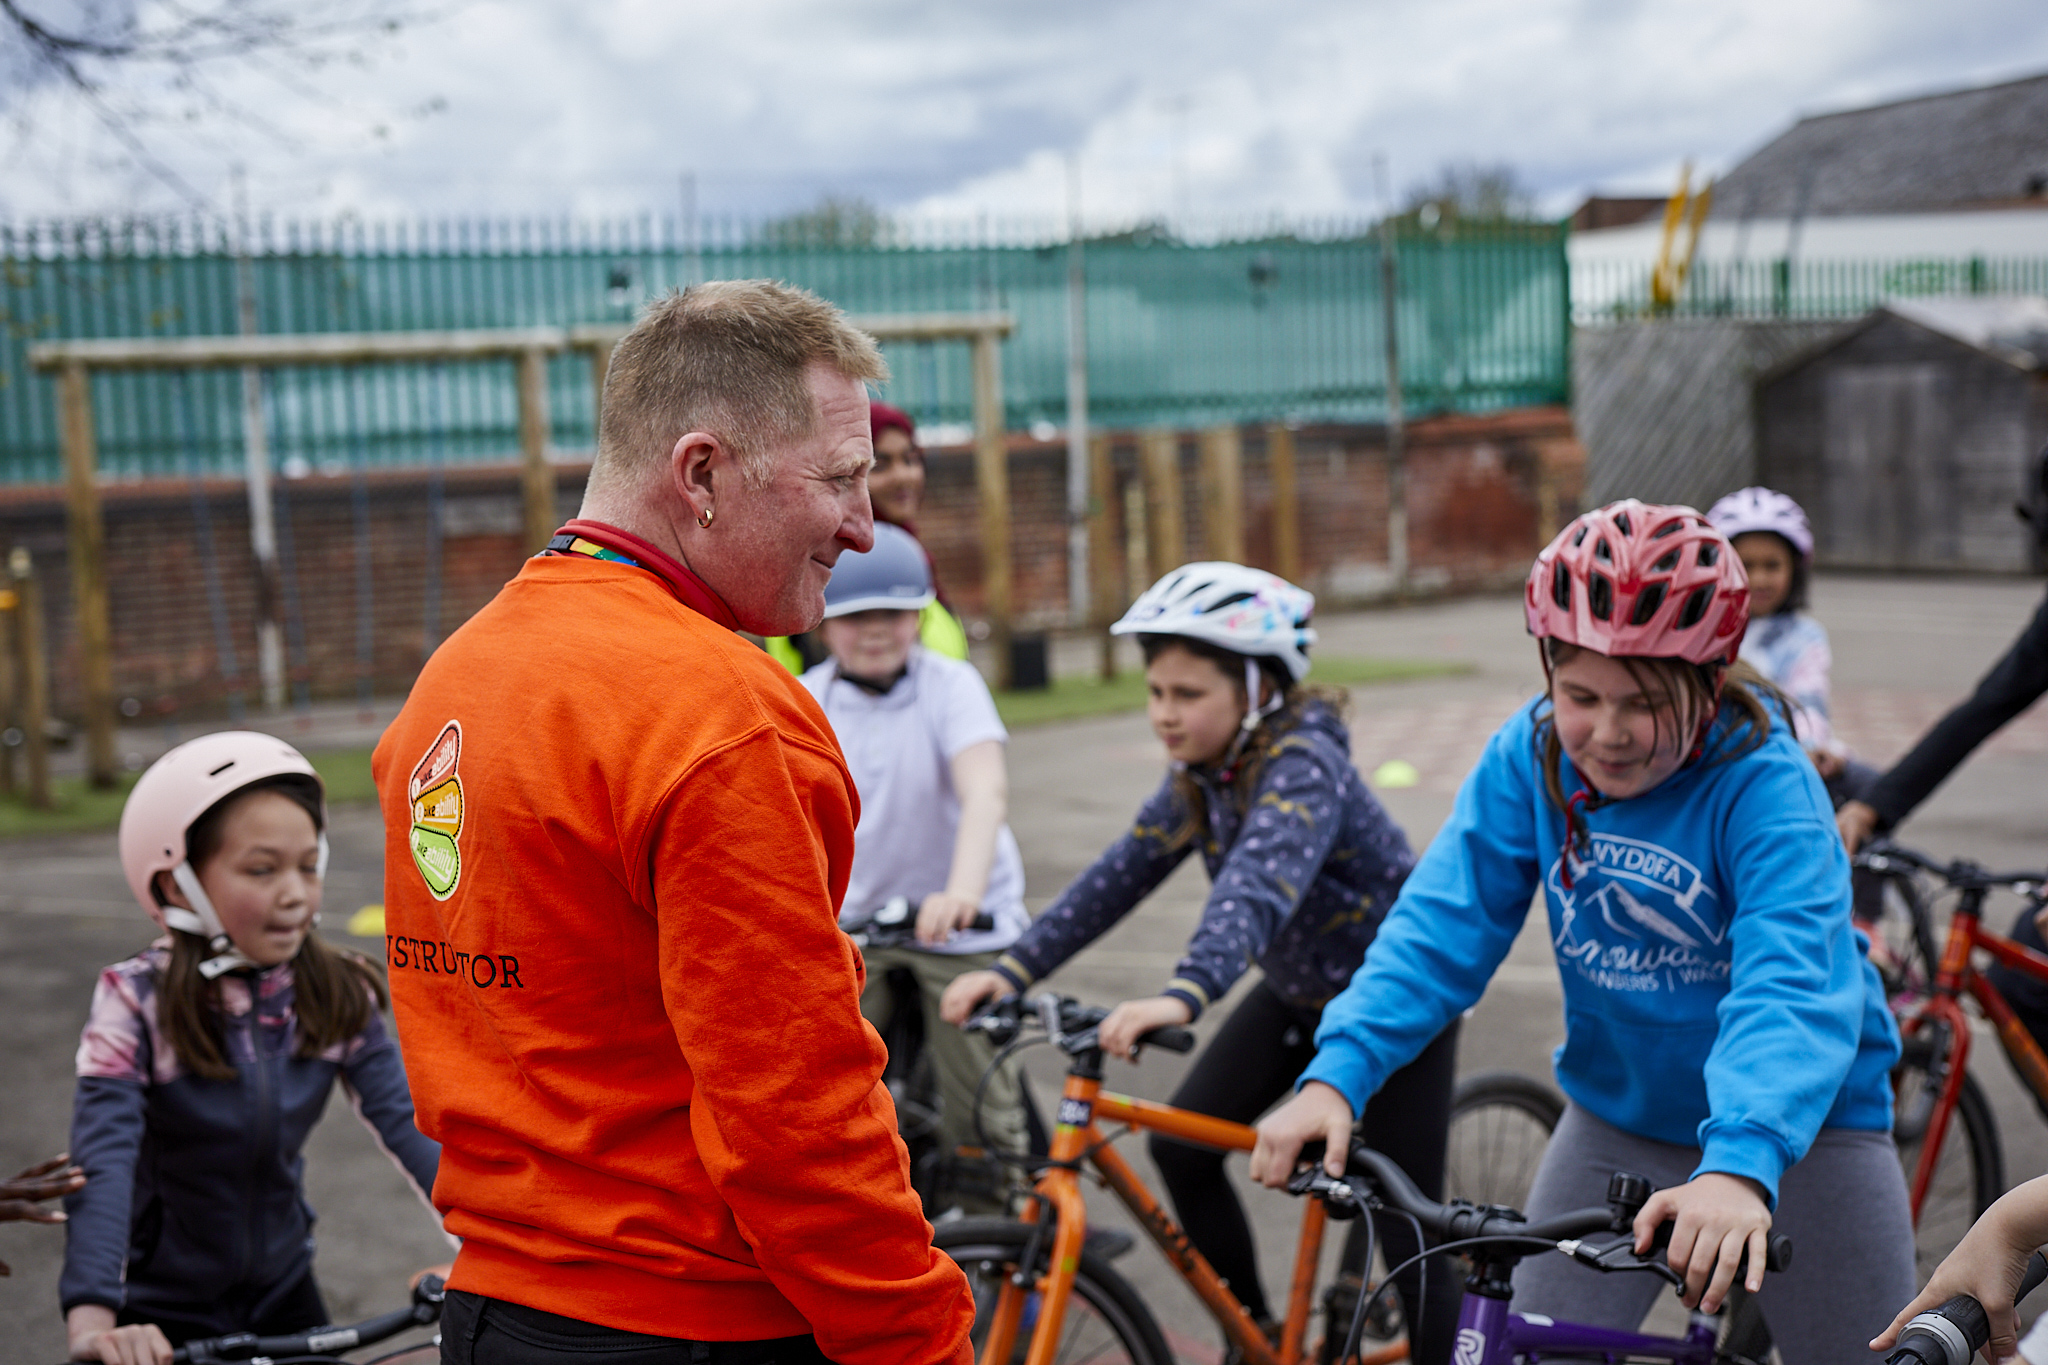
{"x": 436, "y": 795}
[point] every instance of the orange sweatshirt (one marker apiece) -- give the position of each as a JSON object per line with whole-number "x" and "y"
{"x": 617, "y": 835}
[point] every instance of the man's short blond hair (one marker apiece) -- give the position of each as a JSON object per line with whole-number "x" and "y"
{"x": 727, "y": 357}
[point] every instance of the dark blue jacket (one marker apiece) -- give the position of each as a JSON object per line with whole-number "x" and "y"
{"x": 1300, "y": 880}
{"x": 193, "y": 1186}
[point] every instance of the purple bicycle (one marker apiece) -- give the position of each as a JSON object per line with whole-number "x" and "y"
{"x": 1496, "y": 1239}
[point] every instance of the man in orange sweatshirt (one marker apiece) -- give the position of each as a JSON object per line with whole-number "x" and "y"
{"x": 617, "y": 839}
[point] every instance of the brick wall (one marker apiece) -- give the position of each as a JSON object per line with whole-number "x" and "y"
{"x": 1481, "y": 492}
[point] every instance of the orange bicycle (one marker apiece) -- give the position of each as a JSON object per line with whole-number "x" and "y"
{"x": 1036, "y": 1282}
{"x": 1951, "y": 1182}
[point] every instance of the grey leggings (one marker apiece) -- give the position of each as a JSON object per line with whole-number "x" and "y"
{"x": 1844, "y": 1207}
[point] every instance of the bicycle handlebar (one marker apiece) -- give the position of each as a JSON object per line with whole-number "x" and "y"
{"x": 1952, "y": 1333}
{"x": 1882, "y": 855}
{"x": 893, "y": 924}
{"x": 1462, "y": 1221}
{"x": 424, "y": 1310}
{"x": 1070, "y": 1025}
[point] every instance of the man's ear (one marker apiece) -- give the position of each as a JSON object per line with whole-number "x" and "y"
{"x": 168, "y": 891}
{"x": 697, "y": 464}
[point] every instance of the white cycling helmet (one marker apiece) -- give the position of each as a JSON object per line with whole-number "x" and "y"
{"x": 1247, "y": 611}
{"x": 1763, "y": 509}
{"x": 169, "y": 798}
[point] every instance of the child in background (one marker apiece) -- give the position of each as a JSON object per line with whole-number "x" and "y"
{"x": 925, "y": 747}
{"x": 1302, "y": 864}
{"x": 208, "y": 1058}
{"x": 1770, "y": 533}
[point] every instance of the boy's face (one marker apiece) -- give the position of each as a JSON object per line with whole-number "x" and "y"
{"x": 871, "y": 644}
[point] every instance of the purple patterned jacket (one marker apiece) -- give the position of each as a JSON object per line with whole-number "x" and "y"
{"x": 193, "y": 1186}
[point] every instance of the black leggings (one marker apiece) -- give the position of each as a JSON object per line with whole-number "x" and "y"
{"x": 273, "y": 1312}
{"x": 1254, "y": 1059}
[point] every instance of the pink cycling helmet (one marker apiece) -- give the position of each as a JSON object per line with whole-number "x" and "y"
{"x": 1763, "y": 509}
{"x": 179, "y": 788}
{"x": 1640, "y": 580}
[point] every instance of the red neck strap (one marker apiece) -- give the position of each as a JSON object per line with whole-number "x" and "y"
{"x": 692, "y": 591}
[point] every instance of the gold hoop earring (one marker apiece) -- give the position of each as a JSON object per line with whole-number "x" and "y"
{"x": 704, "y": 518}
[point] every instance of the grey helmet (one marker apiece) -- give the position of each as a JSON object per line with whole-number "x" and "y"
{"x": 893, "y": 576}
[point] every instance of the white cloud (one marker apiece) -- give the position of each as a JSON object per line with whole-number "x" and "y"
{"x": 1220, "y": 107}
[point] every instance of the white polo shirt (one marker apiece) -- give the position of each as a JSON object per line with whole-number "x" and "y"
{"x": 900, "y": 749}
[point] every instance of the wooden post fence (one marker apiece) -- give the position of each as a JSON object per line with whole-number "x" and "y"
{"x": 1286, "y": 502}
{"x": 1223, "y": 494}
{"x": 536, "y": 475}
{"x": 87, "y": 540}
{"x": 1102, "y": 580}
{"x": 35, "y": 676}
{"x": 1165, "y": 531}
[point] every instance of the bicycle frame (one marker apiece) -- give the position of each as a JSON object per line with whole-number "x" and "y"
{"x": 1488, "y": 1334}
{"x": 1956, "y": 974}
{"x": 1077, "y": 1138}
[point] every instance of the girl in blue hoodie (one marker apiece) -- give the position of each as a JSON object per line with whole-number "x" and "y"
{"x": 1724, "y": 1034}
{"x": 1303, "y": 864}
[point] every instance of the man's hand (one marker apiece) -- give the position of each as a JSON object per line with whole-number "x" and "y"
{"x": 1856, "y": 822}
{"x": 1317, "y": 1112}
{"x": 1132, "y": 1020}
{"x": 444, "y": 1270}
{"x": 1987, "y": 1265}
{"x": 1718, "y": 1217}
{"x": 21, "y": 1199}
{"x": 968, "y": 992}
{"x": 1828, "y": 763}
{"x": 93, "y": 1336}
{"x": 942, "y": 913}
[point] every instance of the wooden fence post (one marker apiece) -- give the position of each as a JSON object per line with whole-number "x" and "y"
{"x": 1102, "y": 578}
{"x": 600, "y": 366}
{"x": 1286, "y": 503}
{"x": 536, "y": 475}
{"x": 35, "y": 676}
{"x": 1223, "y": 494}
{"x": 88, "y": 540}
{"x": 992, "y": 481}
{"x": 10, "y": 670}
{"x": 1166, "y": 533}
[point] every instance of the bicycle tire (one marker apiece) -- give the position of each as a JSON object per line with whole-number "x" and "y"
{"x": 1105, "y": 1312}
{"x": 1500, "y": 1124}
{"x": 1970, "y": 1176}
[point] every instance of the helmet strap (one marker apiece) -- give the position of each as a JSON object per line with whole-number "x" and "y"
{"x": 1255, "y": 712}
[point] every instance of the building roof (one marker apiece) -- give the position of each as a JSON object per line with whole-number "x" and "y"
{"x": 2013, "y": 327}
{"x": 1966, "y": 148}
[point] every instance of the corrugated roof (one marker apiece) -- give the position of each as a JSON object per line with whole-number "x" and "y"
{"x": 1967, "y": 147}
{"x": 2013, "y": 327}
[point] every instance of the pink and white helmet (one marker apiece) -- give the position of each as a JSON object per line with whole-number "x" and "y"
{"x": 1763, "y": 509}
{"x": 176, "y": 790}
{"x": 1640, "y": 580}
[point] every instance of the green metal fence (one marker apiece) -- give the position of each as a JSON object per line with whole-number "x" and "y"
{"x": 1280, "y": 325}
{"x": 1609, "y": 291}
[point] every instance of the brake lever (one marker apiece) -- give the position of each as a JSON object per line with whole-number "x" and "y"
{"x": 1340, "y": 1197}
{"x": 1620, "y": 1258}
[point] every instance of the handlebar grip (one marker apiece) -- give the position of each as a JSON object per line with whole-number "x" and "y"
{"x": 982, "y": 922}
{"x": 1956, "y": 1331}
{"x": 1173, "y": 1038}
{"x": 1777, "y": 1247}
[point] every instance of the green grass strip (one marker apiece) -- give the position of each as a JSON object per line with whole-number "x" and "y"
{"x": 1074, "y": 698}
{"x": 76, "y": 807}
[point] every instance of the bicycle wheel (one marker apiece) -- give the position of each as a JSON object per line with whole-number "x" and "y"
{"x": 1106, "y": 1322}
{"x": 1970, "y": 1175}
{"x": 1500, "y": 1124}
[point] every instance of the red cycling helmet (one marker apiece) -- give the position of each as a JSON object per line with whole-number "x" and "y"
{"x": 1641, "y": 580}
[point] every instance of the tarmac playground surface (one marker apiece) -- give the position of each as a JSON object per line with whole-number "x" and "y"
{"x": 1905, "y": 649}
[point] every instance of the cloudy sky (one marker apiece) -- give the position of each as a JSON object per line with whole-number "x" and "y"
{"x": 1197, "y": 108}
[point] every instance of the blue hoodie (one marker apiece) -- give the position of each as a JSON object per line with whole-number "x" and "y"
{"x": 1714, "y": 992}
{"x": 1300, "y": 875}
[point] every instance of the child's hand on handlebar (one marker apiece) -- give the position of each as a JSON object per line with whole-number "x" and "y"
{"x": 1317, "y": 1113}
{"x": 1716, "y": 1217}
{"x": 941, "y": 913}
{"x": 1987, "y": 1265}
{"x": 1132, "y": 1020}
{"x": 968, "y": 992}
{"x": 93, "y": 1336}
